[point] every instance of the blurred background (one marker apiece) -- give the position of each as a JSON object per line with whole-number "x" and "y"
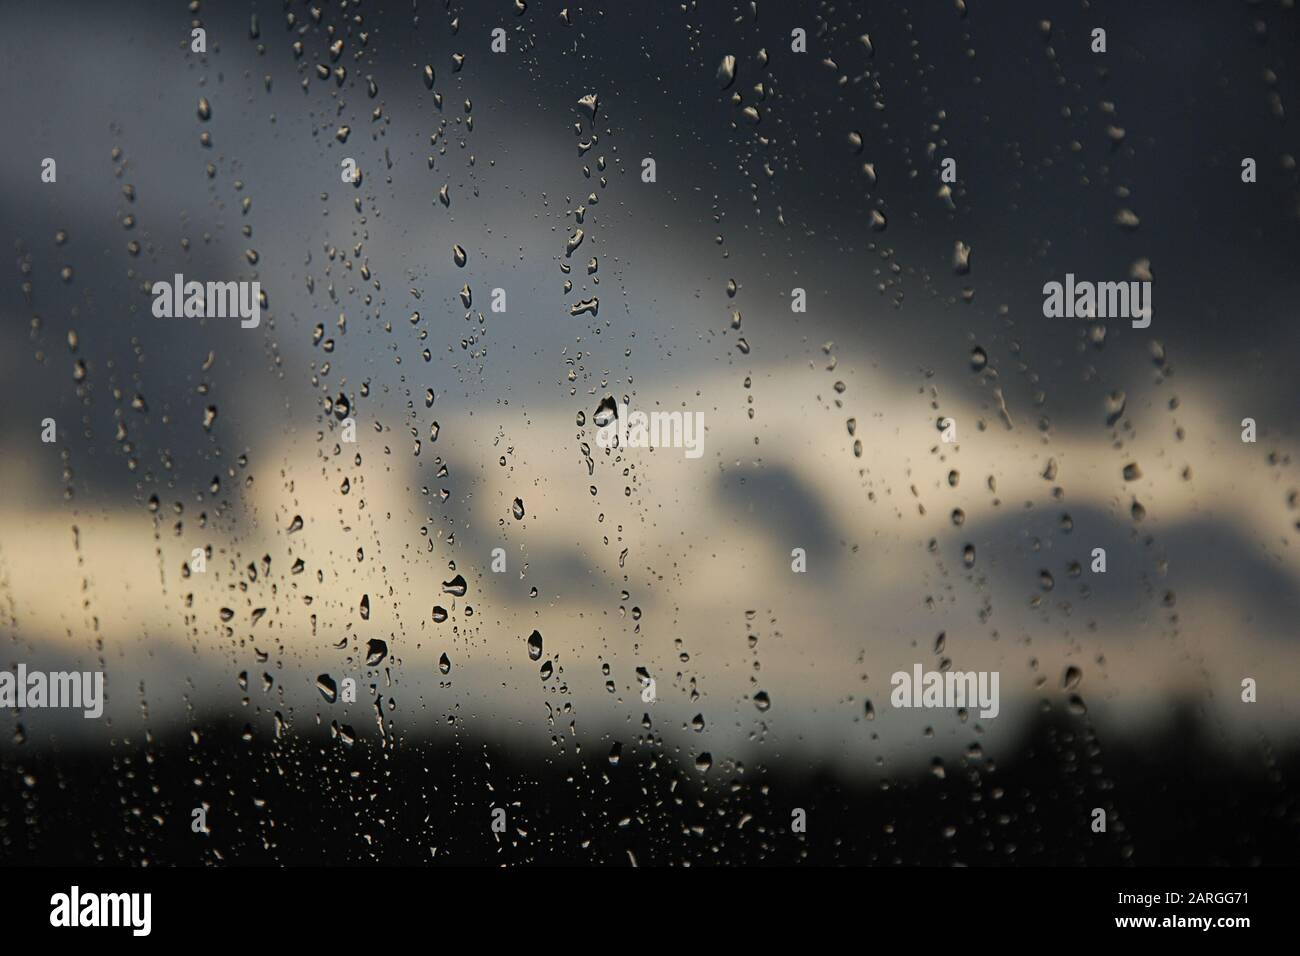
{"x": 372, "y": 561}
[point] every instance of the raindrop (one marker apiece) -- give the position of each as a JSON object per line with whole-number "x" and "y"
{"x": 727, "y": 71}
{"x": 961, "y": 258}
{"x": 328, "y": 689}
{"x": 606, "y": 412}
{"x": 1116, "y": 402}
{"x": 1127, "y": 219}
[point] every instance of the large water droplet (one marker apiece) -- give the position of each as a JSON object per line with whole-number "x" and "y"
{"x": 727, "y": 71}
{"x": 328, "y": 689}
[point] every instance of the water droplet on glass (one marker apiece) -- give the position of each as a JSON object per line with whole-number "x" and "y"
{"x": 727, "y": 71}
{"x": 328, "y": 689}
